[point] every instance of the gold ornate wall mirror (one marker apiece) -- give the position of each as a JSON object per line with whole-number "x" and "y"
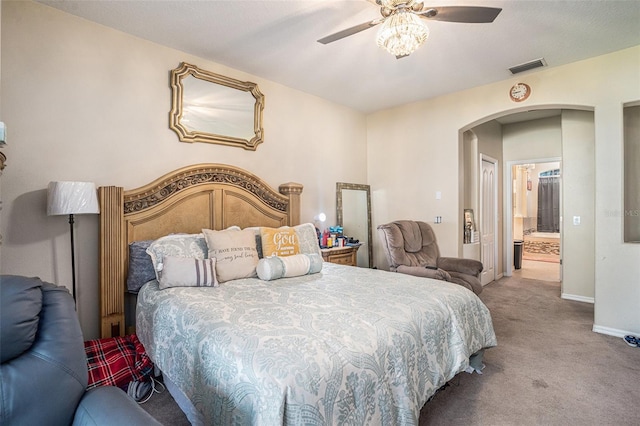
{"x": 209, "y": 107}
{"x": 353, "y": 213}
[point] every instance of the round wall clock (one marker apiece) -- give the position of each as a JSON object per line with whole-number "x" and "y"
{"x": 519, "y": 92}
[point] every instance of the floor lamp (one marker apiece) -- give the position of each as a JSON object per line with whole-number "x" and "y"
{"x": 72, "y": 198}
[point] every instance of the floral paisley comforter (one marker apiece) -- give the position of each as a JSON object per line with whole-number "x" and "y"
{"x": 344, "y": 346}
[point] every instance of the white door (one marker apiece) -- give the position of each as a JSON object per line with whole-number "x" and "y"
{"x": 488, "y": 196}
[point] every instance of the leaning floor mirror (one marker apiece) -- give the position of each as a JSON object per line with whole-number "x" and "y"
{"x": 353, "y": 212}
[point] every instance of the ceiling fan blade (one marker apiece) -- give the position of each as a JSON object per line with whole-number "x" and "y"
{"x": 465, "y": 14}
{"x": 349, "y": 31}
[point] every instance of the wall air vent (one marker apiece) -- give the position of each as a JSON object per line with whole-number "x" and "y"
{"x": 537, "y": 63}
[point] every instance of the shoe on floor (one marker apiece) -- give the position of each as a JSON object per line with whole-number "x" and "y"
{"x": 632, "y": 340}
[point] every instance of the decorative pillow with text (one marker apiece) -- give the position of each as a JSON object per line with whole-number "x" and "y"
{"x": 281, "y": 241}
{"x": 235, "y": 253}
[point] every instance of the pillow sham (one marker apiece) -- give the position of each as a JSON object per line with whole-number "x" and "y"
{"x": 275, "y": 267}
{"x": 281, "y": 241}
{"x": 141, "y": 268}
{"x": 177, "y": 245}
{"x": 187, "y": 272}
{"x": 235, "y": 253}
{"x": 308, "y": 239}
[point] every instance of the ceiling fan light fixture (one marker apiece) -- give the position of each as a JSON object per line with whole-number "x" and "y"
{"x": 402, "y": 33}
{"x": 393, "y": 4}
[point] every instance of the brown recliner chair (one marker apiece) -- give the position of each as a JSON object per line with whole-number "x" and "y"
{"x": 411, "y": 248}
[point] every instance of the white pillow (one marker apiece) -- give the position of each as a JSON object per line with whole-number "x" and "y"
{"x": 275, "y": 267}
{"x": 235, "y": 253}
{"x": 187, "y": 272}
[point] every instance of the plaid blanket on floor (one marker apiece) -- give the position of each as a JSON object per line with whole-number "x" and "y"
{"x": 116, "y": 361}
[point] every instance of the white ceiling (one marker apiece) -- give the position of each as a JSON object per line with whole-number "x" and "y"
{"x": 276, "y": 40}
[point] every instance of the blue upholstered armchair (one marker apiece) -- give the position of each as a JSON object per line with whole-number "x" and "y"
{"x": 43, "y": 370}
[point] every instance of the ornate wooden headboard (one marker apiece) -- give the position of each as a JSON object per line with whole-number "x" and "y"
{"x": 210, "y": 196}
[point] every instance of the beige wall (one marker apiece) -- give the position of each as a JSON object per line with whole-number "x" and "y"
{"x": 533, "y": 139}
{"x": 578, "y": 199}
{"x": 425, "y": 157}
{"x": 85, "y": 102}
{"x": 411, "y": 157}
{"x": 632, "y": 173}
{"x": 469, "y": 170}
{"x": 490, "y": 144}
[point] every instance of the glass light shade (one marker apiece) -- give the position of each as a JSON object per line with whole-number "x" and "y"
{"x": 72, "y": 198}
{"x": 402, "y": 33}
{"x": 391, "y": 4}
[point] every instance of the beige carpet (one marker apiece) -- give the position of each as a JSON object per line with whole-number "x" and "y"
{"x": 549, "y": 368}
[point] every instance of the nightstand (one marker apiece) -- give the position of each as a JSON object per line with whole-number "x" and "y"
{"x": 347, "y": 255}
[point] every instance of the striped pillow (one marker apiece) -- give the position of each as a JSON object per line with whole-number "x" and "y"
{"x": 187, "y": 272}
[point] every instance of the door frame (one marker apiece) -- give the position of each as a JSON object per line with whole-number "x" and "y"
{"x": 508, "y": 211}
{"x": 496, "y": 165}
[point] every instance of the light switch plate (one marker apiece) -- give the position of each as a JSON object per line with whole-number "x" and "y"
{"x": 576, "y": 220}
{"x": 438, "y": 195}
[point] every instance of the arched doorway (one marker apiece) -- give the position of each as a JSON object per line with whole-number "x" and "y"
{"x": 573, "y": 133}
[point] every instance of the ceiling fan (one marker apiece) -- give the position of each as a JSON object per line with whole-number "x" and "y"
{"x": 403, "y": 29}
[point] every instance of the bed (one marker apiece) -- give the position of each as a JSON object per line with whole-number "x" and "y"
{"x": 343, "y": 345}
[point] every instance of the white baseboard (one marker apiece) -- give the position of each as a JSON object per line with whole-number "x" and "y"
{"x": 578, "y": 298}
{"x": 611, "y": 331}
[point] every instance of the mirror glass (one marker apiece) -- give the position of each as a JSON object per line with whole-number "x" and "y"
{"x": 353, "y": 212}
{"x": 216, "y": 109}
{"x": 212, "y": 108}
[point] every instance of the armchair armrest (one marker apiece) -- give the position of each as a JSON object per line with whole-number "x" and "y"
{"x": 421, "y": 271}
{"x": 109, "y": 405}
{"x": 463, "y": 266}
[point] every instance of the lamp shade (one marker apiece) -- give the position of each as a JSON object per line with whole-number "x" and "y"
{"x": 72, "y": 198}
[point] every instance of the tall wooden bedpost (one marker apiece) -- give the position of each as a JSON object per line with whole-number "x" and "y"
{"x": 292, "y": 190}
{"x": 112, "y": 263}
